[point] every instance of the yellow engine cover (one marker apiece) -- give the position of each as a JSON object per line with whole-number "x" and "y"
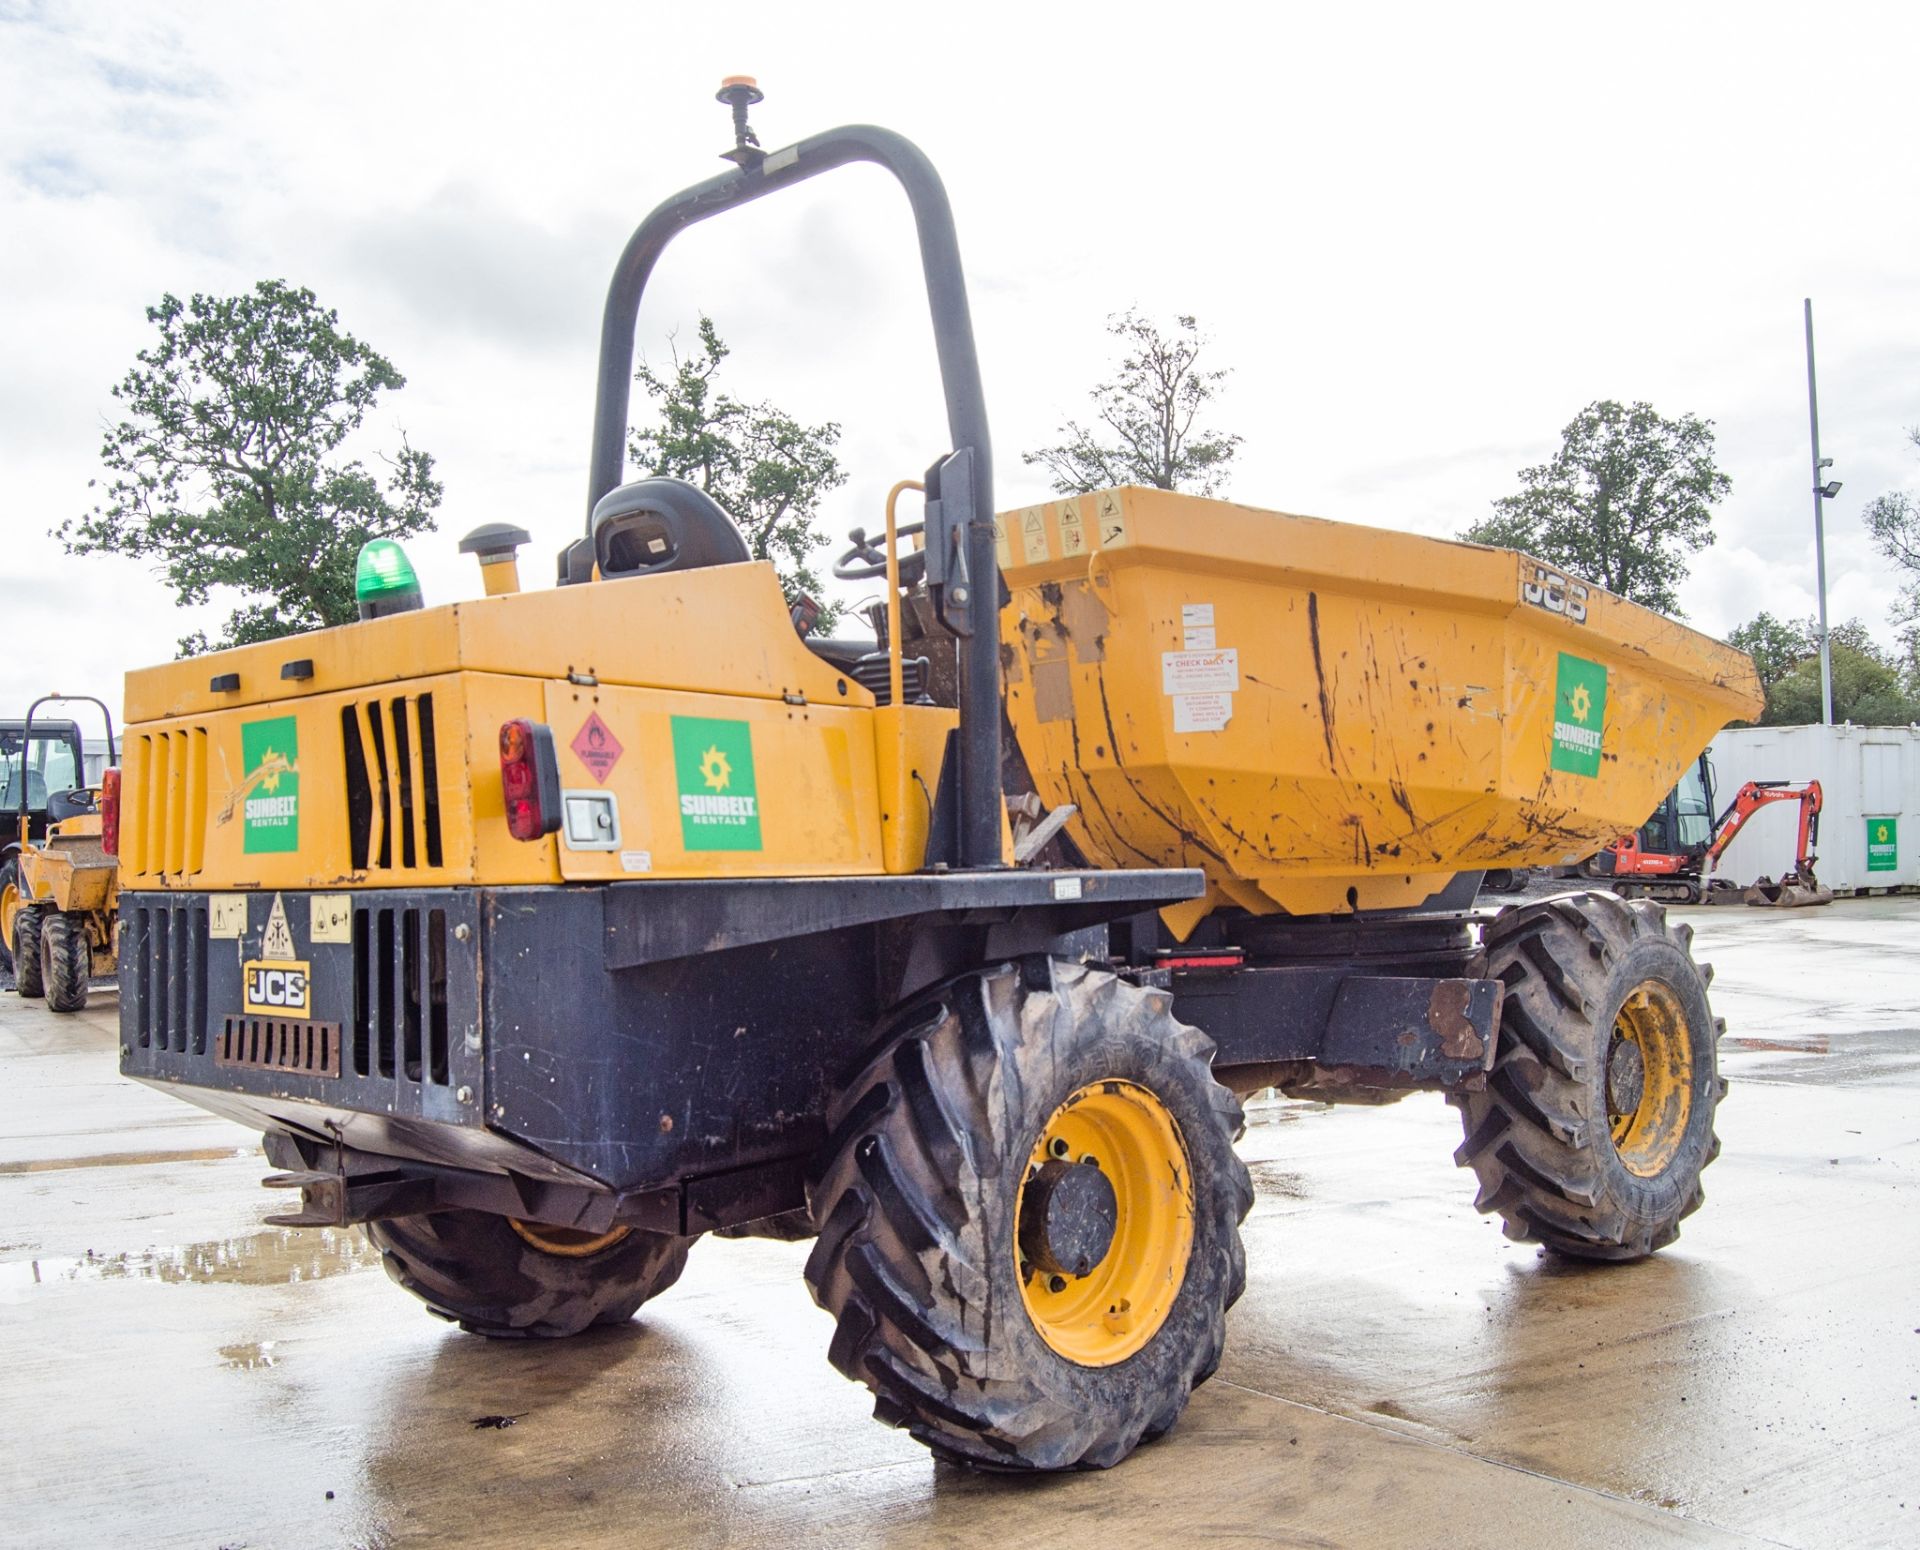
{"x": 696, "y": 736}
{"x": 1329, "y": 717}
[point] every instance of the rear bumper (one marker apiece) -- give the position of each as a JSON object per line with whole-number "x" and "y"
{"x": 620, "y": 1039}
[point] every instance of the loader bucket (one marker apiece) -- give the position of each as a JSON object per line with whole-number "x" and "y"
{"x": 1330, "y": 718}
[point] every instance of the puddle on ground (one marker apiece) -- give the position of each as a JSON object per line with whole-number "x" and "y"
{"x": 250, "y": 1356}
{"x": 274, "y": 1257}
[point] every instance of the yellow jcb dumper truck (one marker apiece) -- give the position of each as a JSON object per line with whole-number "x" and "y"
{"x": 59, "y": 883}
{"x": 547, "y": 932}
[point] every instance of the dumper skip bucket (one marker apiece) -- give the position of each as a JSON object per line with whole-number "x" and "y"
{"x": 1327, "y": 717}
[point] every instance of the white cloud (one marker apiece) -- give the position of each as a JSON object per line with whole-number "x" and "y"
{"x": 1423, "y": 237}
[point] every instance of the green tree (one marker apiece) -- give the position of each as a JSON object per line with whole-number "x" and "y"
{"x": 1629, "y": 495}
{"x": 1148, "y": 415}
{"x": 1774, "y": 644}
{"x": 1867, "y": 683}
{"x": 763, "y": 466}
{"x": 1893, "y": 521}
{"x": 228, "y": 469}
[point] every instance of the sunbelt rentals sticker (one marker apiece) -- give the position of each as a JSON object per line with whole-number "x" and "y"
{"x": 713, "y": 769}
{"x": 1579, "y": 715}
{"x": 1883, "y": 845}
{"x": 270, "y": 789}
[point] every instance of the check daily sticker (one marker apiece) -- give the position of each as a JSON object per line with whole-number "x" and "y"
{"x": 1200, "y": 672}
{"x": 713, "y": 770}
{"x": 1579, "y": 715}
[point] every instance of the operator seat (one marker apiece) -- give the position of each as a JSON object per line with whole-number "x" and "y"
{"x": 62, "y": 805}
{"x": 653, "y": 526}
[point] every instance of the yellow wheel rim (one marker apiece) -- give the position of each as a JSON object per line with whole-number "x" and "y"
{"x": 1649, "y": 1079}
{"x": 1112, "y": 1311}
{"x": 567, "y": 1242}
{"x": 9, "y": 909}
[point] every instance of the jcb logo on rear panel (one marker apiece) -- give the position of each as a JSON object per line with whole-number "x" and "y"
{"x": 277, "y": 987}
{"x": 1556, "y": 593}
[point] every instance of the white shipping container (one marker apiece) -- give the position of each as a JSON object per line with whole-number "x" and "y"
{"x": 1870, "y": 788}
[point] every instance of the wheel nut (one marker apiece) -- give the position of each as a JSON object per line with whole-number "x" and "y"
{"x": 1056, "y": 1283}
{"x": 1057, "y": 1147}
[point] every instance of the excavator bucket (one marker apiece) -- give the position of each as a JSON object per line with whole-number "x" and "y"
{"x": 1794, "y": 891}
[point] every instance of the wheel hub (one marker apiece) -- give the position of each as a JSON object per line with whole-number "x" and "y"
{"x": 1068, "y": 1213}
{"x": 1626, "y": 1077}
{"x": 1103, "y": 1223}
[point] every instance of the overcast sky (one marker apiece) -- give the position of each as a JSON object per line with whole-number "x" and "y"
{"x": 1423, "y": 237}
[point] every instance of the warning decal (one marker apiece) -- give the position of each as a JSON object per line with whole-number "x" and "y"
{"x": 595, "y": 746}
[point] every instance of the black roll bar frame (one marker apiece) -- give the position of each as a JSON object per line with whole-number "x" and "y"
{"x": 980, "y": 708}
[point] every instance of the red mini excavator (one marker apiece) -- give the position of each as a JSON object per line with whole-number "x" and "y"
{"x": 1670, "y": 856}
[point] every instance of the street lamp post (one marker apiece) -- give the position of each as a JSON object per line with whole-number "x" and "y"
{"x": 1822, "y": 493}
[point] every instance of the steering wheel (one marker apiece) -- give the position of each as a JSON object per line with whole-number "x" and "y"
{"x": 866, "y": 560}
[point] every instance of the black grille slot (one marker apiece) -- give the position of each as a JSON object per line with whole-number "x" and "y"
{"x": 164, "y": 966}
{"x": 279, "y": 1044}
{"x": 392, "y": 776}
{"x": 400, "y": 994}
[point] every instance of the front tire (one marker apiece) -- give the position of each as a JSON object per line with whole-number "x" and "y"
{"x": 27, "y": 972}
{"x": 510, "y": 1280}
{"x": 66, "y": 959}
{"x": 1009, "y": 1305}
{"x": 1597, "y": 1117}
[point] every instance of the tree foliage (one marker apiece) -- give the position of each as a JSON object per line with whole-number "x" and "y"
{"x": 1629, "y": 495}
{"x": 1893, "y": 521}
{"x": 1147, "y": 426}
{"x": 763, "y": 466}
{"x": 228, "y": 469}
{"x": 1871, "y": 686}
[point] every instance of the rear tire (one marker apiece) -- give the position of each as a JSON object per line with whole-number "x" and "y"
{"x": 27, "y": 978}
{"x": 1589, "y": 1148}
{"x": 926, "y": 1204}
{"x": 66, "y": 959}
{"x": 517, "y": 1280}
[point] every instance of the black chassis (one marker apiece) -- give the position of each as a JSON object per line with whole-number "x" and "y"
{"x": 663, "y": 1054}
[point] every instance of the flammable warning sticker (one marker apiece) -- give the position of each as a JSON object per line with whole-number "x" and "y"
{"x": 270, "y": 785}
{"x": 713, "y": 770}
{"x": 1579, "y": 715}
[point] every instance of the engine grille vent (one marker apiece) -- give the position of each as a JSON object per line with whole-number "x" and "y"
{"x": 392, "y": 779}
{"x": 400, "y": 993}
{"x": 168, "y": 833}
{"x": 163, "y": 968}
{"x": 279, "y": 1044}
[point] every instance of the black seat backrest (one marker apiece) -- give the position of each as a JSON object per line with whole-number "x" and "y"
{"x": 657, "y": 525}
{"x": 69, "y": 804}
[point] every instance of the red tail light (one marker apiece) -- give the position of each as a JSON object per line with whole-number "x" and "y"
{"x": 110, "y": 810}
{"x": 529, "y": 779}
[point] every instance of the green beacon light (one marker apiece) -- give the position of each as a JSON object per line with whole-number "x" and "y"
{"x": 384, "y": 582}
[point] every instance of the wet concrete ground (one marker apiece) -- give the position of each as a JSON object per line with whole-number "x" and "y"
{"x": 1397, "y": 1374}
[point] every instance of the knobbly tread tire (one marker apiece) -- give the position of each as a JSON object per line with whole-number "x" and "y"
{"x": 472, "y": 1269}
{"x": 1537, "y": 1137}
{"x": 28, "y": 978}
{"x": 916, "y": 1197}
{"x": 66, "y": 959}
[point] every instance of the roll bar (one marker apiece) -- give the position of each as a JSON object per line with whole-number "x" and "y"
{"x": 962, "y": 561}
{"x": 26, "y": 737}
